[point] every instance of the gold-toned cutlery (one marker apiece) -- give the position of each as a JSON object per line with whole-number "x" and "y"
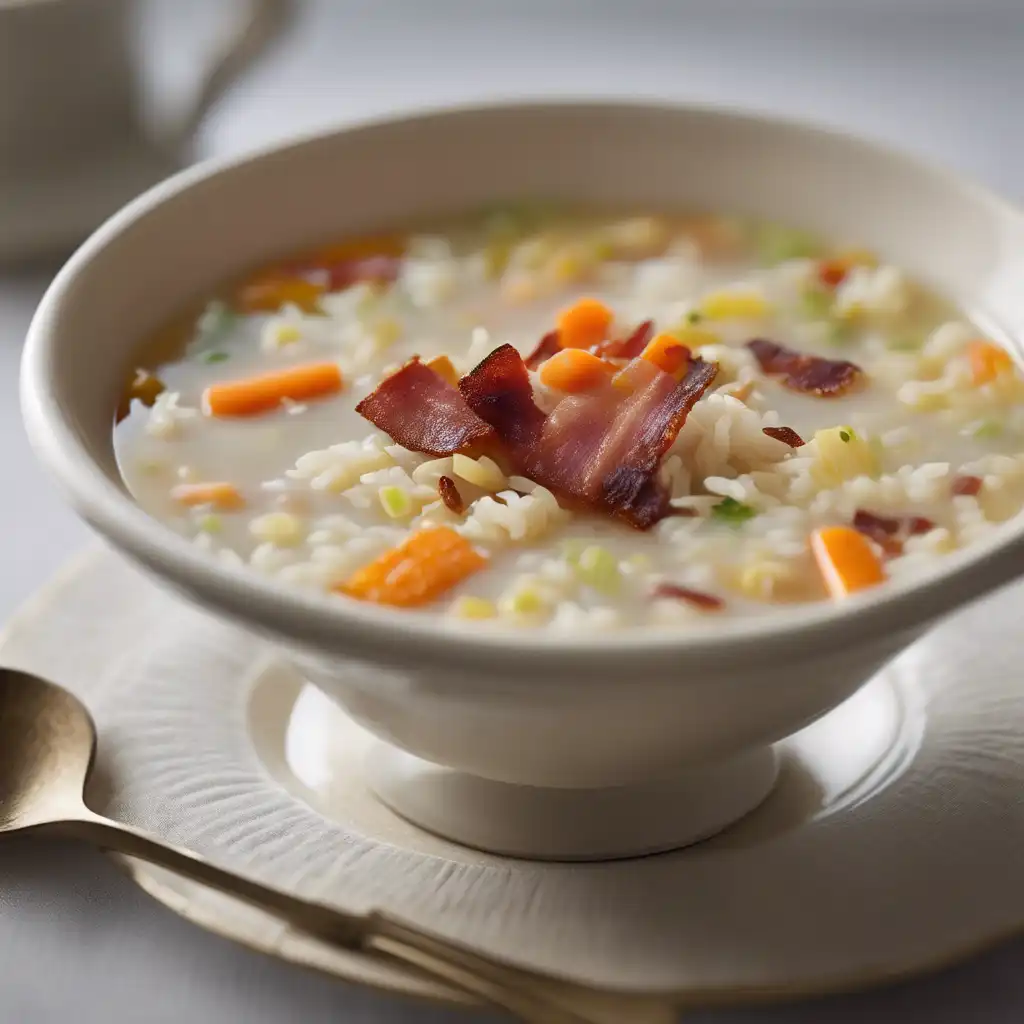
{"x": 47, "y": 745}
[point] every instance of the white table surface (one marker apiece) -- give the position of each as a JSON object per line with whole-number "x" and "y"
{"x": 77, "y": 940}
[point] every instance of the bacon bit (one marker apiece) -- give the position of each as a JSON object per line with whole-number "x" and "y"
{"x": 599, "y": 449}
{"x": 421, "y": 411}
{"x": 548, "y": 346}
{"x": 811, "y": 375}
{"x": 450, "y": 495}
{"x": 706, "y": 602}
{"x": 967, "y": 486}
{"x": 629, "y": 347}
{"x": 890, "y": 533}
{"x": 785, "y": 434}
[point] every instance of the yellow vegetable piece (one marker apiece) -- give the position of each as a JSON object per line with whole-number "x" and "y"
{"x": 422, "y": 568}
{"x": 469, "y": 607}
{"x": 843, "y": 454}
{"x": 846, "y": 560}
{"x": 734, "y": 305}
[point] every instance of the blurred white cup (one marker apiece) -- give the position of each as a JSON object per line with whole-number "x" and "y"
{"x": 75, "y": 143}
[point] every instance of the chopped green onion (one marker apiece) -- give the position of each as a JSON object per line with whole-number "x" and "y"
{"x": 816, "y": 304}
{"x": 210, "y": 524}
{"x": 598, "y": 568}
{"x": 733, "y": 512}
{"x": 694, "y": 316}
{"x": 572, "y": 549}
{"x": 777, "y": 244}
{"x": 214, "y": 356}
{"x": 845, "y": 435}
{"x": 395, "y": 501}
{"x": 839, "y": 333}
{"x": 988, "y": 430}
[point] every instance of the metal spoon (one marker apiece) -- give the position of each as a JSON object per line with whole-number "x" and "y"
{"x": 47, "y": 744}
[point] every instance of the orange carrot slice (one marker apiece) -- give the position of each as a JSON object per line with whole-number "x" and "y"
{"x": 268, "y": 292}
{"x": 667, "y": 352}
{"x": 220, "y": 495}
{"x": 574, "y": 369}
{"x": 584, "y": 324}
{"x": 420, "y": 569}
{"x": 253, "y": 395}
{"x": 988, "y": 361}
{"x": 846, "y": 560}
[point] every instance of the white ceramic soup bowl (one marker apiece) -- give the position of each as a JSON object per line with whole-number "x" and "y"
{"x": 576, "y": 747}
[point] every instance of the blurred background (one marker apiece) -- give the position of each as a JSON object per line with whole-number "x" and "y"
{"x": 939, "y": 77}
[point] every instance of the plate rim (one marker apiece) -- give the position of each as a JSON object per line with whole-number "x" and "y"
{"x": 149, "y": 880}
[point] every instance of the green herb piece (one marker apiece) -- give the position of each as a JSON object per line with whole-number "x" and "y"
{"x": 777, "y": 244}
{"x": 598, "y": 568}
{"x": 210, "y": 524}
{"x": 733, "y": 512}
{"x": 845, "y": 436}
{"x": 839, "y": 333}
{"x": 694, "y": 316}
{"x": 213, "y": 356}
{"x": 816, "y": 304}
{"x": 989, "y": 430}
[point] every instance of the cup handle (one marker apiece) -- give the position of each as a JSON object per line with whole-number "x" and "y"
{"x": 263, "y": 22}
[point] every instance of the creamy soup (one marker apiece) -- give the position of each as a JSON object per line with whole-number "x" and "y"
{"x": 559, "y": 420}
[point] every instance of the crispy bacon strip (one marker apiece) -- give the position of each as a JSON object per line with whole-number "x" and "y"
{"x": 706, "y": 602}
{"x": 889, "y": 533}
{"x": 626, "y": 348}
{"x": 785, "y": 434}
{"x": 810, "y": 375}
{"x": 548, "y": 346}
{"x": 599, "y": 449}
{"x": 421, "y": 411}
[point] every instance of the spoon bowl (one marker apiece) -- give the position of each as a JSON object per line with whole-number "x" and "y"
{"x": 47, "y": 745}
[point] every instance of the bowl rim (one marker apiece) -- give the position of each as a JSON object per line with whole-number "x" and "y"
{"x": 330, "y": 623}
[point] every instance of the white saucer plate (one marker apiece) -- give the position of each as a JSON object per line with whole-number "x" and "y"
{"x": 890, "y": 846}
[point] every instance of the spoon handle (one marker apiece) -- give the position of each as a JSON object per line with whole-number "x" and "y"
{"x": 517, "y": 991}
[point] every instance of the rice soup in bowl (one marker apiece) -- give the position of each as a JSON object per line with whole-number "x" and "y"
{"x": 640, "y": 490}
{"x": 732, "y": 418}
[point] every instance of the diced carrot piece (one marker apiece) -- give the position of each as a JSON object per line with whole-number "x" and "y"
{"x": 667, "y": 352}
{"x": 584, "y": 324}
{"x": 221, "y": 495}
{"x": 846, "y": 560}
{"x": 253, "y": 395}
{"x": 444, "y": 368}
{"x": 574, "y": 369}
{"x": 268, "y": 292}
{"x": 988, "y": 361}
{"x": 421, "y": 569}
{"x": 832, "y": 273}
